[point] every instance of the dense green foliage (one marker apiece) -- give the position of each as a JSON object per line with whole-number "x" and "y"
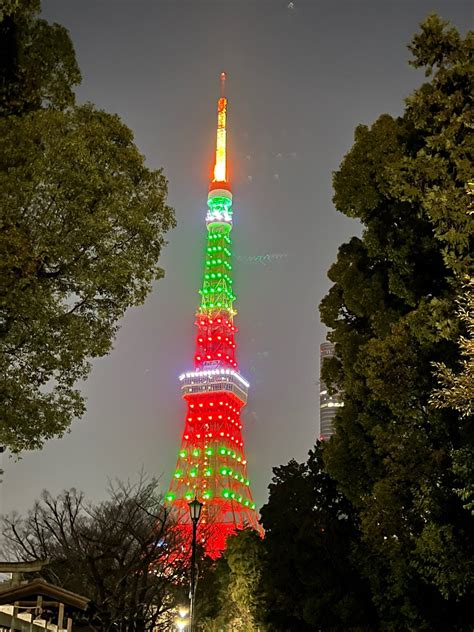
{"x": 82, "y": 227}
{"x": 457, "y": 387}
{"x": 392, "y": 314}
{"x": 230, "y": 595}
{"x": 456, "y": 390}
{"x": 38, "y": 66}
{"x": 311, "y": 580}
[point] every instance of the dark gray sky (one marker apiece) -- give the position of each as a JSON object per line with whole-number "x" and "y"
{"x": 302, "y": 75}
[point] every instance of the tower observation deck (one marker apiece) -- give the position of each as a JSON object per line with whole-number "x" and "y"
{"x": 211, "y": 462}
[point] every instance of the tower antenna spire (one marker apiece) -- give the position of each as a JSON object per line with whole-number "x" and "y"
{"x": 223, "y": 78}
{"x": 220, "y": 166}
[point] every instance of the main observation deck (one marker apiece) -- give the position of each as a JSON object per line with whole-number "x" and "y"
{"x": 214, "y": 381}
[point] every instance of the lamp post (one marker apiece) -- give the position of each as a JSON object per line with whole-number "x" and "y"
{"x": 195, "y": 512}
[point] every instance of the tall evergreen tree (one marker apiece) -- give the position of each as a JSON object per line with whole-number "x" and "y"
{"x": 392, "y": 314}
{"x": 311, "y": 579}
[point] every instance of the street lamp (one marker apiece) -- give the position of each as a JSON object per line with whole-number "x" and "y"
{"x": 182, "y": 621}
{"x": 183, "y": 612}
{"x": 195, "y": 513}
{"x": 181, "y": 624}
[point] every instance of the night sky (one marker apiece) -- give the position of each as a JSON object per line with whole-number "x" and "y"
{"x": 301, "y": 76}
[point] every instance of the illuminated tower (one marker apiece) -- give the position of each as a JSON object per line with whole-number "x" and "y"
{"x": 211, "y": 461}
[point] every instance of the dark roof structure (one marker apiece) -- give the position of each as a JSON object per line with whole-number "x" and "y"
{"x": 28, "y": 594}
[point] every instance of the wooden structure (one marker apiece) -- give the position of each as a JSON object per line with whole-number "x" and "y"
{"x": 37, "y": 599}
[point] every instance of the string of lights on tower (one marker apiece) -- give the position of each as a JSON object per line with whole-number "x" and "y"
{"x": 211, "y": 463}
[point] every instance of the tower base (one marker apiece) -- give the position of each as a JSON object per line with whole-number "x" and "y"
{"x": 212, "y": 538}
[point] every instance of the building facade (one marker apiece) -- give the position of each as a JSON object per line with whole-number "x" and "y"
{"x": 328, "y": 404}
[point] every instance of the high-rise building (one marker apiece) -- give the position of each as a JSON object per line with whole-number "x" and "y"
{"x": 211, "y": 463}
{"x": 328, "y": 404}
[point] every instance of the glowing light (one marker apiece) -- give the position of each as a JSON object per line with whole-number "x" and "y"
{"x": 220, "y": 166}
{"x": 213, "y": 372}
{"x": 211, "y": 462}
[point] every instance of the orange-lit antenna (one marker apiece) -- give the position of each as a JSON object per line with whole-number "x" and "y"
{"x": 220, "y": 168}
{"x": 223, "y": 78}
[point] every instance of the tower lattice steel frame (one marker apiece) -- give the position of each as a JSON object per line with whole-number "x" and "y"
{"x": 211, "y": 462}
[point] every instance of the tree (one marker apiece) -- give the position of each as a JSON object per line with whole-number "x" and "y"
{"x": 230, "y": 593}
{"x": 213, "y": 579}
{"x": 82, "y": 227}
{"x": 392, "y": 314}
{"x": 457, "y": 388}
{"x": 37, "y": 66}
{"x": 124, "y": 553}
{"x": 456, "y": 391}
{"x": 311, "y": 579}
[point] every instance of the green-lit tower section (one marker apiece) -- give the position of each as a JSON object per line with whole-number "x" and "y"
{"x": 211, "y": 462}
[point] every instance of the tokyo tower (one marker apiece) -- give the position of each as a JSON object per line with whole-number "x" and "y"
{"x": 211, "y": 462}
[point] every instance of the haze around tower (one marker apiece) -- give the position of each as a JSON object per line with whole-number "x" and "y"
{"x": 303, "y": 75}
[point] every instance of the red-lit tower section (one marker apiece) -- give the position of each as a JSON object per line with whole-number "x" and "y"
{"x": 211, "y": 461}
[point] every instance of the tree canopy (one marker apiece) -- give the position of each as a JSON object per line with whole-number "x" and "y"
{"x": 230, "y": 589}
{"x": 82, "y": 227}
{"x": 38, "y": 65}
{"x": 311, "y": 580}
{"x": 392, "y": 314}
